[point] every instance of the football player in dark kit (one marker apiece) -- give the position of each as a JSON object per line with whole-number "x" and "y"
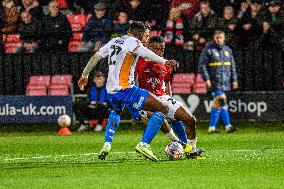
{"x": 218, "y": 69}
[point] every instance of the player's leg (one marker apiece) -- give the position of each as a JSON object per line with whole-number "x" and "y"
{"x": 215, "y": 111}
{"x": 224, "y": 113}
{"x": 180, "y": 115}
{"x": 177, "y": 124}
{"x": 111, "y": 127}
{"x": 165, "y": 128}
{"x": 150, "y": 103}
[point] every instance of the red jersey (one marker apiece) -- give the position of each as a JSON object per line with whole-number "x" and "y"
{"x": 152, "y": 76}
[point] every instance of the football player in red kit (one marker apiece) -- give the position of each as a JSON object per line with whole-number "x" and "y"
{"x": 156, "y": 79}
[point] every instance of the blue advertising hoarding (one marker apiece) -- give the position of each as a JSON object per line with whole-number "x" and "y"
{"x": 34, "y": 109}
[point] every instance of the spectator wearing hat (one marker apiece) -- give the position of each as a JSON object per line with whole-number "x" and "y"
{"x": 250, "y": 24}
{"x": 98, "y": 30}
{"x": 56, "y": 30}
{"x": 30, "y": 33}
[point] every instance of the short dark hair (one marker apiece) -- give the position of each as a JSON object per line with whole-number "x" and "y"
{"x": 157, "y": 39}
{"x": 219, "y": 32}
{"x": 205, "y": 2}
{"x": 137, "y": 27}
{"x": 99, "y": 74}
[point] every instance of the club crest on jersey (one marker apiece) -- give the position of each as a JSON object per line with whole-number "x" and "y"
{"x": 227, "y": 53}
{"x": 147, "y": 71}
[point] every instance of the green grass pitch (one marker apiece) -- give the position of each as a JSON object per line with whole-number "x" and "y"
{"x": 253, "y": 157}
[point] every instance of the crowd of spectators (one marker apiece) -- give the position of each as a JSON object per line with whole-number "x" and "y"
{"x": 186, "y": 25}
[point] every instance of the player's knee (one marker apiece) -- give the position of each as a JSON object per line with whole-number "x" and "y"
{"x": 191, "y": 121}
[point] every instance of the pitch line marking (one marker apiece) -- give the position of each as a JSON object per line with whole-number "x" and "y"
{"x": 94, "y": 153}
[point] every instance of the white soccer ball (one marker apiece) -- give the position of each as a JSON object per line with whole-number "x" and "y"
{"x": 174, "y": 151}
{"x": 64, "y": 120}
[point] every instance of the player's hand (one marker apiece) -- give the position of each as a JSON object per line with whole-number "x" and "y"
{"x": 235, "y": 85}
{"x": 174, "y": 64}
{"x": 83, "y": 81}
{"x": 208, "y": 83}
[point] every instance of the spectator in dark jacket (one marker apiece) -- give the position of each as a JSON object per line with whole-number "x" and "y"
{"x": 33, "y": 7}
{"x": 56, "y": 30}
{"x": 274, "y": 17}
{"x": 30, "y": 33}
{"x": 10, "y": 17}
{"x": 249, "y": 26}
{"x": 203, "y": 24}
{"x": 121, "y": 24}
{"x": 244, "y": 7}
{"x": 156, "y": 12}
{"x": 228, "y": 24}
{"x": 98, "y": 29}
{"x": 136, "y": 10}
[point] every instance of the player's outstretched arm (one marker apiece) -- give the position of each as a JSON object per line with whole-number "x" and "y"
{"x": 83, "y": 81}
{"x": 150, "y": 55}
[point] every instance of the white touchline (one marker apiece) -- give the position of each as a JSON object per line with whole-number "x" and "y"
{"x": 59, "y": 156}
{"x": 89, "y": 154}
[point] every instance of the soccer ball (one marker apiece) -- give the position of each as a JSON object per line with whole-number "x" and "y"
{"x": 174, "y": 151}
{"x": 64, "y": 121}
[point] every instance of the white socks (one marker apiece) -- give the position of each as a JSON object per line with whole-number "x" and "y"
{"x": 172, "y": 136}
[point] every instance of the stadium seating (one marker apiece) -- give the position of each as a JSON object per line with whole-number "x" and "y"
{"x": 181, "y": 90}
{"x": 182, "y": 83}
{"x": 187, "y": 78}
{"x": 36, "y": 90}
{"x": 11, "y": 43}
{"x": 58, "y": 90}
{"x": 57, "y": 85}
{"x": 42, "y": 80}
{"x": 199, "y": 89}
{"x": 199, "y": 86}
{"x": 77, "y": 22}
{"x": 199, "y": 79}
{"x": 62, "y": 80}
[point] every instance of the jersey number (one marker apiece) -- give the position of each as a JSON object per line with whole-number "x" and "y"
{"x": 113, "y": 54}
{"x": 173, "y": 101}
